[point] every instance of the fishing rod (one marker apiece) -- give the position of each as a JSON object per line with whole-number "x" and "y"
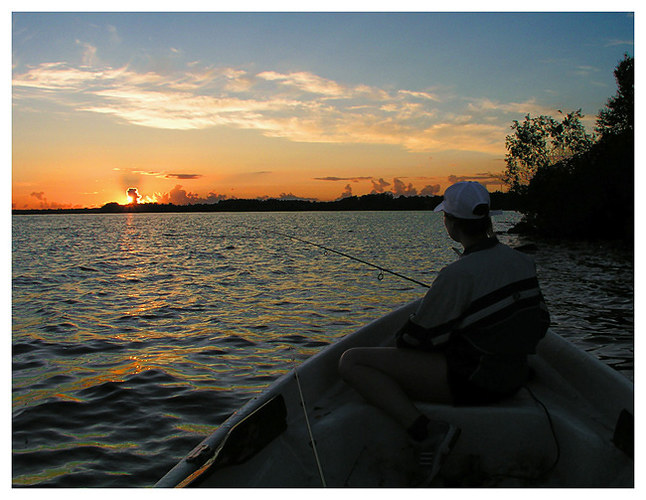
{"x": 382, "y": 270}
{"x": 309, "y": 429}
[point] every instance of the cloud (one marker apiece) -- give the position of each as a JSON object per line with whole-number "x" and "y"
{"x": 487, "y": 106}
{"x": 45, "y": 204}
{"x": 462, "y": 178}
{"x": 379, "y": 186}
{"x": 161, "y": 175}
{"x": 401, "y": 189}
{"x": 298, "y": 106}
{"x": 291, "y": 197}
{"x": 353, "y": 179}
{"x": 585, "y": 71}
{"x": 615, "y": 42}
{"x": 430, "y": 190}
{"x": 182, "y": 176}
{"x": 306, "y": 82}
{"x": 347, "y": 193}
{"x": 485, "y": 179}
{"x": 422, "y": 95}
{"x": 179, "y": 196}
{"x": 115, "y": 38}
{"x": 89, "y": 53}
{"x": 144, "y": 172}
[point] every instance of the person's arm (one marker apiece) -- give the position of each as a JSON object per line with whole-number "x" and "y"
{"x": 441, "y": 309}
{"x": 414, "y": 336}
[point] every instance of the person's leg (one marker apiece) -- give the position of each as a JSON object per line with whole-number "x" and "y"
{"x": 391, "y": 378}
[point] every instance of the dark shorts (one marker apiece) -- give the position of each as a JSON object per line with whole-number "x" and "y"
{"x": 466, "y": 393}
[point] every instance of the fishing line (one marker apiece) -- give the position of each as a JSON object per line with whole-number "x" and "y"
{"x": 382, "y": 270}
{"x": 309, "y": 428}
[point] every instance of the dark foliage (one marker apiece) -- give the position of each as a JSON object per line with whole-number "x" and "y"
{"x": 619, "y": 114}
{"x": 591, "y": 194}
{"x": 587, "y": 196}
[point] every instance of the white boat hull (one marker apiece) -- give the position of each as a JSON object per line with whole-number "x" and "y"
{"x": 267, "y": 444}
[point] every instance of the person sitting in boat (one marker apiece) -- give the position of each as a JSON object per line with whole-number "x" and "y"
{"x": 468, "y": 341}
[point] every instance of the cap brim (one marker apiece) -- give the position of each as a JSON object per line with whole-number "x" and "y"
{"x": 439, "y": 208}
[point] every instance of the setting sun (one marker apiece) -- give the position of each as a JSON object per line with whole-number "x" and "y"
{"x": 133, "y": 196}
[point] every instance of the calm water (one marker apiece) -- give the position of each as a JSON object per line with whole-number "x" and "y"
{"x": 135, "y": 335}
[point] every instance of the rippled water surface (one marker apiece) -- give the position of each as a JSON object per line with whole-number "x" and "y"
{"x": 135, "y": 335}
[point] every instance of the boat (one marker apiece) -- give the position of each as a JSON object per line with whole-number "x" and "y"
{"x": 571, "y": 426}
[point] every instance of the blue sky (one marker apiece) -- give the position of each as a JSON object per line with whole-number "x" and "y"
{"x": 479, "y": 54}
{"x": 361, "y": 99}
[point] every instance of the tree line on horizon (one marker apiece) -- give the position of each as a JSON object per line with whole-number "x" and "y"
{"x": 370, "y": 202}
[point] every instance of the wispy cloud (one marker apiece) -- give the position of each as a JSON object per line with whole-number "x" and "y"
{"x": 115, "y": 38}
{"x": 585, "y": 71}
{"x": 422, "y": 95}
{"x": 307, "y": 82}
{"x": 615, "y": 42}
{"x": 353, "y": 179}
{"x": 163, "y": 175}
{"x": 485, "y": 179}
{"x": 485, "y": 105}
{"x": 183, "y": 176}
{"x": 298, "y": 106}
{"x": 89, "y": 53}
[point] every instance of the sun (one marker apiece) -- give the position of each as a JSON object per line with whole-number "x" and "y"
{"x": 133, "y": 196}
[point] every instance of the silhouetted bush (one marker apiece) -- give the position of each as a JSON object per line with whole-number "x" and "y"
{"x": 587, "y": 196}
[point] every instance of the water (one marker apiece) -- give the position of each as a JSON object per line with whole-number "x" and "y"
{"x": 135, "y": 335}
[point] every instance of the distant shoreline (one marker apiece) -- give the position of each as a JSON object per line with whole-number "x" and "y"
{"x": 370, "y": 202}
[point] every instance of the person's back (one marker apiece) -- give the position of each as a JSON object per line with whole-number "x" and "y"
{"x": 503, "y": 321}
{"x": 486, "y": 311}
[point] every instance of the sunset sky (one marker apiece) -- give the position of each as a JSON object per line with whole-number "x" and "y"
{"x": 199, "y": 107}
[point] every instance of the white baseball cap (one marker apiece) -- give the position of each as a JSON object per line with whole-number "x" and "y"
{"x": 461, "y": 199}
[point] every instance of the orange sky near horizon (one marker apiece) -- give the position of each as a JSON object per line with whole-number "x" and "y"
{"x": 84, "y": 162}
{"x": 197, "y": 107}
